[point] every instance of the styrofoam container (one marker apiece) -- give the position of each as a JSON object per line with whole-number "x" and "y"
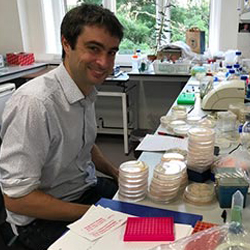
{"x": 171, "y": 68}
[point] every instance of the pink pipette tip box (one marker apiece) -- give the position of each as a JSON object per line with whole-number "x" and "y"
{"x": 149, "y": 229}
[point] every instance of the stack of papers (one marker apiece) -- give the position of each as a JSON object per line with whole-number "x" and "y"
{"x": 103, "y": 228}
{"x": 97, "y": 222}
{"x": 161, "y": 143}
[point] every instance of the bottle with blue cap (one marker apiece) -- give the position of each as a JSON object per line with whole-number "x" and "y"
{"x": 228, "y": 67}
{"x": 232, "y": 75}
{"x": 238, "y": 59}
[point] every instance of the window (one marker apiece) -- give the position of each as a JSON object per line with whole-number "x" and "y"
{"x": 142, "y": 20}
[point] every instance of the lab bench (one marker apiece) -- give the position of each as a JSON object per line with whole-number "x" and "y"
{"x": 125, "y": 103}
{"x": 211, "y": 212}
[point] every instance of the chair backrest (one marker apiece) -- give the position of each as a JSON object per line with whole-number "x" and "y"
{"x": 2, "y": 209}
{"x": 2, "y": 220}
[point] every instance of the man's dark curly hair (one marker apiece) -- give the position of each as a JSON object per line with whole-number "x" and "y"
{"x": 88, "y": 14}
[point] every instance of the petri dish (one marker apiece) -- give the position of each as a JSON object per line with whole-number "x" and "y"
{"x": 201, "y": 134}
{"x": 181, "y": 130}
{"x": 165, "y": 120}
{"x": 176, "y": 123}
{"x": 171, "y": 169}
{"x": 172, "y": 156}
{"x": 133, "y": 168}
{"x": 193, "y": 120}
{"x": 199, "y": 193}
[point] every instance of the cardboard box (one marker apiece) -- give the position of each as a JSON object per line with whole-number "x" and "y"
{"x": 20, "y": 58}
{"x": 195, "y": 38}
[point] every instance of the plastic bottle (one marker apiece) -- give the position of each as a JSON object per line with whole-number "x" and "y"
{"x": 135, "y": 65}
{"x": 232, "y": 75}
{"x": 237, "y": 69}
{"x": 138, "y": 53}
{"x": 228, "y": 67}
{"x": 237, "y": 206}
{"x": 245, "y": 134}
{"x": 238, "y": 59}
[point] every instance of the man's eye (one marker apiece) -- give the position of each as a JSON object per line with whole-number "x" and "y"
{"x": 95, "y": 49}
{"x": 113, "y": 53}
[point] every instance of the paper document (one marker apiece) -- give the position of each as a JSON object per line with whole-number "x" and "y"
{"x": 161, "y": 143}
{"x": 115, "y": 240}
{"x": 97, "y": 222}
{"x": 82, "y": 232}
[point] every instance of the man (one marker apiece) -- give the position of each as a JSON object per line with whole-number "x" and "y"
{"x": 48, "y": 156}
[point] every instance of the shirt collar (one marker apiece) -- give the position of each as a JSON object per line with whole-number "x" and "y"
{"x": 70, "y": 89}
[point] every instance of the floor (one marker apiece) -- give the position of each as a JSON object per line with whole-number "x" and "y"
{"x": 112, "y": 147}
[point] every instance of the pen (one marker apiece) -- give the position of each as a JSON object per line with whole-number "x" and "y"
{"x": 191, "y": 109}
{"x": 177, "y": 136}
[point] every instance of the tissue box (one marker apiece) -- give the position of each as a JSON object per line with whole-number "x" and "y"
{"x": 20, "y": 58}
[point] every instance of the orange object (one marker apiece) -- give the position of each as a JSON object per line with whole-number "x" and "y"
{"x": 202, "y": 225}
{"x": 20, "y": 58}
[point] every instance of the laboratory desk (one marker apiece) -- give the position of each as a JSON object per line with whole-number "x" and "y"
{"x": 9, "y": 73}
{"x": 211, "y": 213}
{"x": 117, "y": 87}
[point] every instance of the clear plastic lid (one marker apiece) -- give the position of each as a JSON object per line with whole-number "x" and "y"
{"x": 165, "y": 120}
{"x": 176, "y": 123}
{"x": 160, "y": 186}
{"x": 133, "y": 168}
{"x": 181, "y": 130}
{"x": 171, "y": 169}
{"x": 201, "y": 133}
{"x": 172, "y": 156}
{"x": 178, "y": 108}
{"x": 199, "y": 193}
{"x": 193, "y": 120}
{"x": 179, "y": 114}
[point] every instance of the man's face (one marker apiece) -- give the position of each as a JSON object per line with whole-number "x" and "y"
{"x": 92, "y": 59}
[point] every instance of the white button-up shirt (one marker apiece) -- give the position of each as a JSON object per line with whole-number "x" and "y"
{"x": 48, "y": 131}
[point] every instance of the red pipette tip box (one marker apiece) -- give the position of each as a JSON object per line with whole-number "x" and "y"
{"x": 149, "y": 229}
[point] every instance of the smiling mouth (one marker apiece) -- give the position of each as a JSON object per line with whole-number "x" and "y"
{"x": 99, "y": 73}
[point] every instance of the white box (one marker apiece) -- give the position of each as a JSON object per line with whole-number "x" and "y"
{"x": 1, "y": 61}
{"x": 171, "y": 68}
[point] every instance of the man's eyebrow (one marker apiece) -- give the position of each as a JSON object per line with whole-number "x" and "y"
{"x": 100, "y": 45}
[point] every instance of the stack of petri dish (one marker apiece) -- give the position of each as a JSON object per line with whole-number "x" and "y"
{"x": 133, "y": 180}
{"x": 199, "y": 194}
{"x": 166, "y": 181}
{"x": 200, "y": 154}
{"x": 167, "y": 157}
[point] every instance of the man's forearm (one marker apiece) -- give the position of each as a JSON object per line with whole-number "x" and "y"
{"x": 43, "y": 206}
{"x": 103, "y": 164}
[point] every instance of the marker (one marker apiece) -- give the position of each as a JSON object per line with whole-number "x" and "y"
{"x": 177, "y": 136}
{"x": 191, "y": 109}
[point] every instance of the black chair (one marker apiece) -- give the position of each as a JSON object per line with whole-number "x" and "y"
{"x": 8, "y": 241}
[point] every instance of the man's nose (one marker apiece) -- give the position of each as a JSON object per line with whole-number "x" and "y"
{"x": 104, "y": 60}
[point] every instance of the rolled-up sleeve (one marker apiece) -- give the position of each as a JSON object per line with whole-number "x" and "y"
{"x": 25, "y": 144}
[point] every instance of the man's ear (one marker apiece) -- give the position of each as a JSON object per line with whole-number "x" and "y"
{"x": 66, "y": 45}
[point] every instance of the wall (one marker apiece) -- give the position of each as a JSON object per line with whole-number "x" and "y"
{"x": 17, "y": 24}
{"x": 10, "y": 30}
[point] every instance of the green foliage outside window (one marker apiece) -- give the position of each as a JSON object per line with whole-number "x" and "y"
{"x": 139, "y": 19}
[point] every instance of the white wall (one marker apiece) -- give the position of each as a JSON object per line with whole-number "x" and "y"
{"x": 27, "y": 21}
{"x": 228, "y": 25}
{"x": 10, "y": 30}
